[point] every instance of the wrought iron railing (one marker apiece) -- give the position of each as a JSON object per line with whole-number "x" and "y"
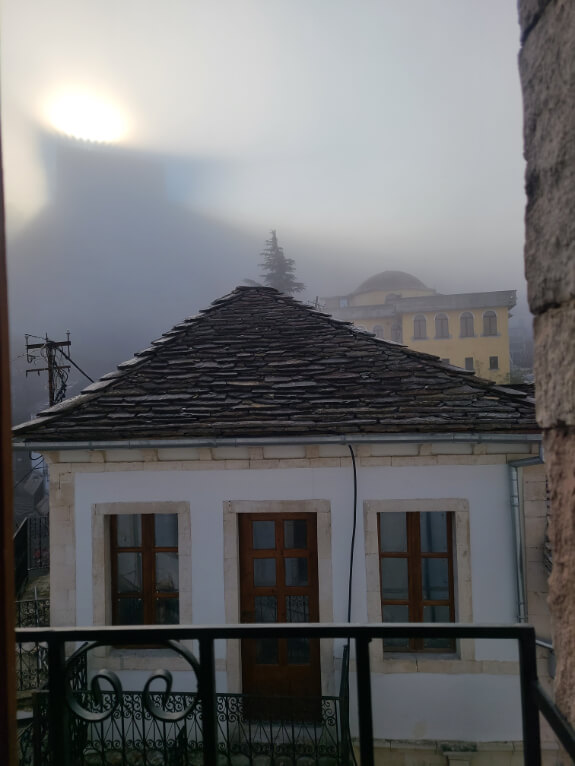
{"x": 26, "y": 745}
{"x": 66, "y": 709}
{"x": 31, "y": 666}
{"x": 131, "y": 734}
{"x": 32, "y": 657}
{"x": 33, "y": 613}
{"x": 31, "y": 549}
{"x": 21, "y": 556}
{"x": 38, "y": 543}
{"x": 346, "y": 742}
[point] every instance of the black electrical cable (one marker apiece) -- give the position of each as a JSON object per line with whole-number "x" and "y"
{"x": 352, "y": 550}
{"x": 350, "y": 582}
{"x": 69, "y": 358}
{"x": 62, "y": 374}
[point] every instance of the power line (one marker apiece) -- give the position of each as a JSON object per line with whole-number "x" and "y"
{"x": 69, "y": 358}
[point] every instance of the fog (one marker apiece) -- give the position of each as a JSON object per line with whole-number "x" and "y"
{"x": 374, "y": 135}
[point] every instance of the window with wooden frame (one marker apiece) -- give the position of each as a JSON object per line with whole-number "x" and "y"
{"x": 467, "y": 329}
{"x": 145, "y": 575}
{"x": 441, "y": 326}
{"x": 397, "y": 331}
{"x": 490, "y": 323}
{"x": 419, "y": 327}
{"x": 416, "y": 574}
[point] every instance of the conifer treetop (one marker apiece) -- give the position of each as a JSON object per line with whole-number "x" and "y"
{"x": 277, "y": 270}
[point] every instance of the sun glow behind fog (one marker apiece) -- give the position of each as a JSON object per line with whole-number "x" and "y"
{"x": 87, "y": 117}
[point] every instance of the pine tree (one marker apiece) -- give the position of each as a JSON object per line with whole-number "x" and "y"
{"x": 277, "y": 270}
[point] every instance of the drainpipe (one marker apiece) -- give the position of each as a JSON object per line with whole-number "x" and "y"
{"x": 517, "y": 524}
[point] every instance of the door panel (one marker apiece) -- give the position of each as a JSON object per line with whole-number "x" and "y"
{"x": 279, "y": 583}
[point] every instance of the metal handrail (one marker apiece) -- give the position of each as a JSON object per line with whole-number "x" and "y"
{"x": 21, "y": 556}
{"x": 533, "y": 698}
{"x": 31, "y": 549}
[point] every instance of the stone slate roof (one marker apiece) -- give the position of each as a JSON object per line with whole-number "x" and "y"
{"x": 259, "y": 363}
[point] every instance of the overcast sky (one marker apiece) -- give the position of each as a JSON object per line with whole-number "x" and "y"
{"x": 372, "y": 134}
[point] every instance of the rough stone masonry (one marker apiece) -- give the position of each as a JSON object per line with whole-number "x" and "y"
{"x": 547, "y": 70}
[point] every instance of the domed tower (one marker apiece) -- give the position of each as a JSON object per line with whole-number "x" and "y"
{"x": 372, "y": 305}
{"x": 468, "y": 330}
{"x": 377, "y": 288}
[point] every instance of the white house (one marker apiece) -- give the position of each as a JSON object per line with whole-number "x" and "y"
{"x": 210, "y": 480}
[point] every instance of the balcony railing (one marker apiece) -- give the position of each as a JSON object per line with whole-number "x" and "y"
{"x": 32, "y": 657}
{"x": 31, "y": 549}
{"x": 33, "y": 613}
{"x": 132, "y": 734}
{"x": 69, "y": 717}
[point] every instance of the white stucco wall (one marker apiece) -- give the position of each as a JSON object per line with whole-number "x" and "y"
{"x": 481, "y": 707}
{"x": 433, "y": 706}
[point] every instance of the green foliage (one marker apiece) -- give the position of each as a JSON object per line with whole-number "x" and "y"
{"x": 277, "y": 270}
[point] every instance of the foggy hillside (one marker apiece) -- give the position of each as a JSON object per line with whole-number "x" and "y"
{"x": 117, "y": 258}
{"x": 119, "y": 255}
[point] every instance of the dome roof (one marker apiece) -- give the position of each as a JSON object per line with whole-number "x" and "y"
{"x": 391, "y": 280}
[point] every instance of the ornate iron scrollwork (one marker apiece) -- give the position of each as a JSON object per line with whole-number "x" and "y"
{"x": 106, "y": 702}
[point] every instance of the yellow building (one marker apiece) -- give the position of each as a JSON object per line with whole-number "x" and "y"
{"x": 468, "y": 330}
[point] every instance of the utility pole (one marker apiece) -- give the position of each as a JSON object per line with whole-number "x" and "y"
{"x": 48, "y": 349}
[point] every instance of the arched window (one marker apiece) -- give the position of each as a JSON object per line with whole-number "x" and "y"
{"x": 419, "y": 327}
{"x": 490, "y": 323}
{"x": 378, "y": 330}
{"x": 466, "y": 325}
{"x": 441, "y": 326}
{"x": 397, "y": 331}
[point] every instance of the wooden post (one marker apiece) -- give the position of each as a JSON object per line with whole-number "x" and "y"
{"x": 7, "y": 645}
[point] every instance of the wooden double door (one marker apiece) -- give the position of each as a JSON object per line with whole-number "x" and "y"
{"x": 279, "y": 583}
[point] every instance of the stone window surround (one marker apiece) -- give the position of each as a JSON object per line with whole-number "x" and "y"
{"x": 322, "y": 510}
{"x": 413, "y": 661}
{"x": 101, "y": 574}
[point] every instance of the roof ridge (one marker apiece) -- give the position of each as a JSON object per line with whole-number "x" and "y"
{"x": 215, "y": 370}
{"x": 119, "y": 375}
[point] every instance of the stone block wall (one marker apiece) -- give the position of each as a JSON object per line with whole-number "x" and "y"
{"x": 547, "y": 70}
